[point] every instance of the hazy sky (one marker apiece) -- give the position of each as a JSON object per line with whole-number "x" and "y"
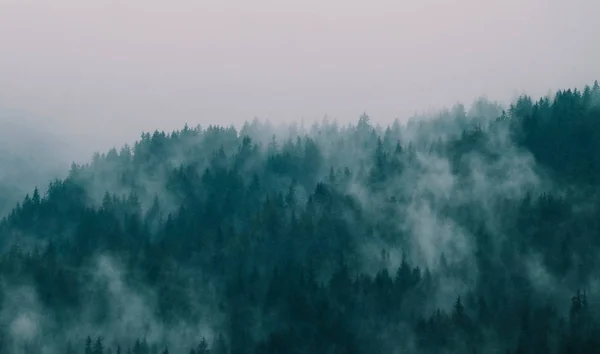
{"x": 104, "y": 70}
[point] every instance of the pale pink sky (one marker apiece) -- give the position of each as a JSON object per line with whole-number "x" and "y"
{"x": 104, "y": 70}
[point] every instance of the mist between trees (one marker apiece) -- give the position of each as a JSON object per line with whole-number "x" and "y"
{"x": 463, "y": 232}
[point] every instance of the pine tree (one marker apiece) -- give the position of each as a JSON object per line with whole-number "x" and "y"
{"x": 98, "y": 347}
{"x": 36, "y": 196}
{"x": 459, "y": 309}
{"x": 88, "y": 346}
{"x": 202, "y": 347}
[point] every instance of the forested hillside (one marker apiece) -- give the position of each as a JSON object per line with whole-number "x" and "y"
{"x": 471, "y": 232}
{"x": 29, "y": 155}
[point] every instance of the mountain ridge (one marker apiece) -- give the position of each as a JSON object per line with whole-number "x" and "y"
{"x": 472, "y": 232}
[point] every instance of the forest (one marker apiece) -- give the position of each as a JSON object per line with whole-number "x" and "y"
{"x": 471, "y": 231}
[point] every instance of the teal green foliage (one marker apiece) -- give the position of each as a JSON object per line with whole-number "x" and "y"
{"x": 272, "y": 236}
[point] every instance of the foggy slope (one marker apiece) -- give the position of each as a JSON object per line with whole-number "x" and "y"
{"x": 29, "y": 157}
{"x": 471, "y": 231}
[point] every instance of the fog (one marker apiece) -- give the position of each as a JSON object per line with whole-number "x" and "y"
{"x": 30, "y": 155}
{"x": 100, "y": 72}
{"x": 155, "y": 241}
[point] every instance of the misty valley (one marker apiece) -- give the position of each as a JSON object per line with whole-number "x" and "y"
{"x": 468, "y": 231}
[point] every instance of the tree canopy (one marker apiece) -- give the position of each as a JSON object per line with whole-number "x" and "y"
{"x": 475, "y": 231}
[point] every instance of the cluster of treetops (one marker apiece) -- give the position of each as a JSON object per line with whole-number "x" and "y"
{"x": 264, "y": 239}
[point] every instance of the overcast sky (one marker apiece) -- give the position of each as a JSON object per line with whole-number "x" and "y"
{"x": 103, "y": 70}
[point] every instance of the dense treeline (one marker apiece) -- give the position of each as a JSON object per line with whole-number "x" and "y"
{"x": 475, "y": 232}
